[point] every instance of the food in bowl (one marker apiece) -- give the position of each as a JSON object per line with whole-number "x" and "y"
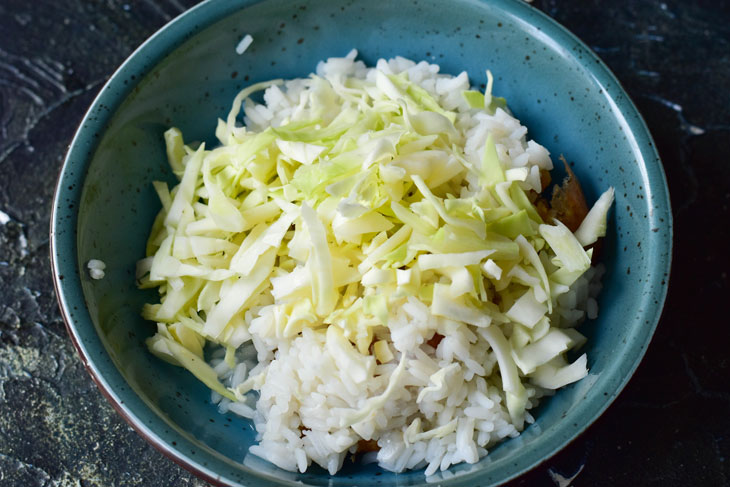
{"x": 367, "y": 267}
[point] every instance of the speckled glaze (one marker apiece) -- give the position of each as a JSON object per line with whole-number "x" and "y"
{"x": 187, "y": 74}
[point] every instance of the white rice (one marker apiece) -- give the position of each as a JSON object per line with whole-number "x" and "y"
{"x": 303, "y": 408}
{"x": 96, "y": 268}
{"x": 243, "y": 44}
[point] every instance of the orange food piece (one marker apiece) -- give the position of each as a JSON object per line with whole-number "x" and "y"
{"x": 543, "y": 208}
{"x": 568, "y": 203}
{"x": 545, "y": 178}
{"x": 365, "y": 446}
{"x": 435, "y": 340}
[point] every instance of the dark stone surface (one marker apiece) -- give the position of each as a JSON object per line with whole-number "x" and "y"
{"x": 669, "y": 427}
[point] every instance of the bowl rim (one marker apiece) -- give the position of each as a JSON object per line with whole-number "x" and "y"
{"x": 66, "y": 272}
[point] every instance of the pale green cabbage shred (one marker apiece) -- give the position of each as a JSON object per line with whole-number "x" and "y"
{"x": 359, "y": 200}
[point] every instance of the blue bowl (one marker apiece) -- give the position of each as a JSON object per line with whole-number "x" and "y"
{"x": 187, "y": 74}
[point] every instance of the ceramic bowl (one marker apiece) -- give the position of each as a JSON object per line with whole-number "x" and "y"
{"x": 187, "y": 74}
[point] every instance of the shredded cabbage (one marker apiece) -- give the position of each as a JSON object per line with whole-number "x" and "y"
{"x": 594, "y": 224}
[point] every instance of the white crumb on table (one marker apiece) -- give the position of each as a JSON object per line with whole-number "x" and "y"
{"x": 562, "y": 481}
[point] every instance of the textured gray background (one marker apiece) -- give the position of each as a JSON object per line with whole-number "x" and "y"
{"x": 669, "y": 427}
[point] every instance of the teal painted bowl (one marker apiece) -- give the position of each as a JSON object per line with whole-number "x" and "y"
{"x": 187, "y": 74}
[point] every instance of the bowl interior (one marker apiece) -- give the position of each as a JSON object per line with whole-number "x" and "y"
{"x": 187, "y": 75}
